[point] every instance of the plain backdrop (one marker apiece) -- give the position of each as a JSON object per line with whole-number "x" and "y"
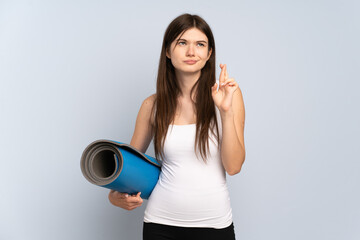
{"x": 75, "y": 71}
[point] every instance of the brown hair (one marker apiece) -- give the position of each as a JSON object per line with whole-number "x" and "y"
{"x": 168, "y": 90}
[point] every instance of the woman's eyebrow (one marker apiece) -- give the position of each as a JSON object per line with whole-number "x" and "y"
{"x": 181, "y": 39}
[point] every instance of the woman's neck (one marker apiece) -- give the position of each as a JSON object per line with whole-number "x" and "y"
{"x": 186, "y": 82}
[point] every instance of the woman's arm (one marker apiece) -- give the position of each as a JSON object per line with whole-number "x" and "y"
{"x": 229, "y": 101}
{"x": 140, "y": 140}
{"x": 143, "y": 128}
{"x": 232, "y": 146}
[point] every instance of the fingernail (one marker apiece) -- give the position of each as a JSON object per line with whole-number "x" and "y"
{"x": 126, "y": 195}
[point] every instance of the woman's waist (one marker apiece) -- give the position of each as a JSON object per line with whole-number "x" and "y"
{"x": 188, "y": 185}
{"x": 192, "y": 177}
{"x": 186, "y": 206}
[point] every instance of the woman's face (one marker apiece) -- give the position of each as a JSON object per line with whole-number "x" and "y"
{"x": 189, "y": 53}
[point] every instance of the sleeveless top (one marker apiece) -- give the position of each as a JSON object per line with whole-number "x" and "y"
{"x": 190, "y": 192}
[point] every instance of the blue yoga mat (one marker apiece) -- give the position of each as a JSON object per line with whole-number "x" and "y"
{"x": 120, "y": 167}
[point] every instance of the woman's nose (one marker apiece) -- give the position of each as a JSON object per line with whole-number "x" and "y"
{"x": 190, "y": 50}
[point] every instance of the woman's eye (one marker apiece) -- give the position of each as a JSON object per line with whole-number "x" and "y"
{"x": 182, "y": 43}
{"x": 201, "y": 45}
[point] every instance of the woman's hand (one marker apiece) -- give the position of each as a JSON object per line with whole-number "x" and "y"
{"x": 223, "y": 97}
{"x": 124, "y": 200}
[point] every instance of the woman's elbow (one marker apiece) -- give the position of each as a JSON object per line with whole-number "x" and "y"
{"x": 233, "y": 171}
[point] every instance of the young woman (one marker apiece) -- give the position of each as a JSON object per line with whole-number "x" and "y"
{"x": 197, "y": 126}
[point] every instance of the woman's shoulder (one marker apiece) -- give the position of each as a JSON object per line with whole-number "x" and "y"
{"x": 150, "y": 100}
{"x": 144, "y": 125}
{"x": 147, "y": 107}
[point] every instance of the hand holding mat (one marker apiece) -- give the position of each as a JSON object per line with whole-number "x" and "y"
{"x": 121, "y": 167}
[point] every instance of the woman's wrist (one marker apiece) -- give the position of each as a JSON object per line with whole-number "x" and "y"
{"x": 227, "y": 114}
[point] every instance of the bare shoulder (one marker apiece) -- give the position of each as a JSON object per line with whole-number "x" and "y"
{"x": 143, "y": 128}
{"x": 146, "y": 109}
{"x": 149, "y": 101}
{"x": 148, "y": 105}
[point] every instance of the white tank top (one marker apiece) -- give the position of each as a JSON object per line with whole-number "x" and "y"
{"x": 190, "y": 192}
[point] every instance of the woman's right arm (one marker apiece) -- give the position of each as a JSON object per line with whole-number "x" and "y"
{"x": 143, "y": 128}
{"x": 140, "y": 140}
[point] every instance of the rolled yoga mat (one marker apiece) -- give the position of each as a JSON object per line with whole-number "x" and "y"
{"x": 120, "y": 167}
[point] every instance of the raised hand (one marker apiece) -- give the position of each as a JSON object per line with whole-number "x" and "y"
{"x": 227, "y": 86}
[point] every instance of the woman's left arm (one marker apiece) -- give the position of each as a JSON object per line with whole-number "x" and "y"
{"x": 230, "y": 102}
{"x": 232, "y": 146}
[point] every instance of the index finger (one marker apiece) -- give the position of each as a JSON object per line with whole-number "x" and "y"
{"x": 222, "y": 74}
{"x": 226, "y": 72}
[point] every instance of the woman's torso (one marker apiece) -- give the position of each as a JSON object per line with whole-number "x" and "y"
{"x": 190, "y": 192}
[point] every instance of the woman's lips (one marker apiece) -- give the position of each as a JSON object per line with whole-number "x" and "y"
{"x": 191, "y": 62}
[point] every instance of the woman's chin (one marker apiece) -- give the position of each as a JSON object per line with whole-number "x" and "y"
{"x": 189, "y": 70}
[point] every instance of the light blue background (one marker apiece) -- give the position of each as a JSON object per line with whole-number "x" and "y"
{"x": 75, "y": 71}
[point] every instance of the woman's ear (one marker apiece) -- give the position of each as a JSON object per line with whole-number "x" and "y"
{"x": 168, "y": 54}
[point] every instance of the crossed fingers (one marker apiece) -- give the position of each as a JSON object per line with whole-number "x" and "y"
{"x": 224, "y": 77}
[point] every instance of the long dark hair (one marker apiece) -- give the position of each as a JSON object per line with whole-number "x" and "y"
{"x": 168, "y": 90}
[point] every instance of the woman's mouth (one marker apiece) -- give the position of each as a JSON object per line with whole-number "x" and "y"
{"x": 190, "y": 62}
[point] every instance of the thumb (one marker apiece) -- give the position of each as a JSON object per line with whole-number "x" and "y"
{"x": 138, "y": 195}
